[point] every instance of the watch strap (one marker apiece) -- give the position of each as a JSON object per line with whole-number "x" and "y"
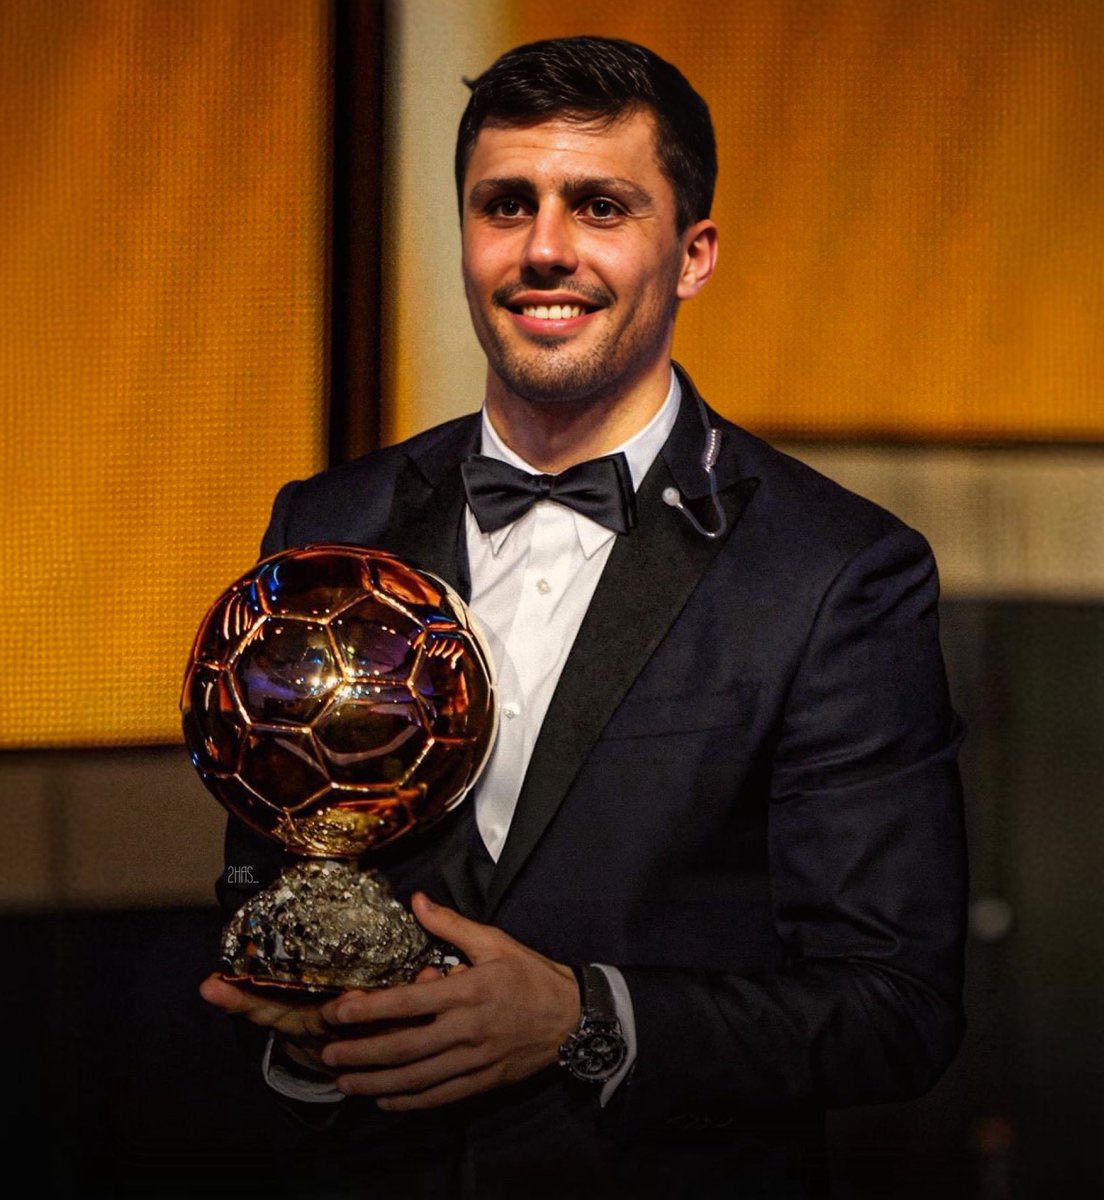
{"x": 594, "y": 1052}
{"x": 596, "y": 995}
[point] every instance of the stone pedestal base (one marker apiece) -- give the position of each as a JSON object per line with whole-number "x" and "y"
{"x": 323, "y": 927}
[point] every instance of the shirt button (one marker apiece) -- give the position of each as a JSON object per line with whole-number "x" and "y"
{"x": 543, "y": 586}
{"x": 511, "y": 710}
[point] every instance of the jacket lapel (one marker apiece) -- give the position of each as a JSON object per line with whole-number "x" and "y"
{"x": 649, "y": 577}
{"x": 426, "y": 527}
{"x": 426, "y": 522}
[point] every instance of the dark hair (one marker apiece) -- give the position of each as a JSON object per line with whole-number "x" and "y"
{"x": 593, "y": 79}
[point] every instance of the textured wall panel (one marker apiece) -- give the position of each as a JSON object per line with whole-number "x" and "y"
{"x": 910, "y": 206}
{"x": 162, "y": 218}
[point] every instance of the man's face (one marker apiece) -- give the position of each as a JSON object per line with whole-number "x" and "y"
{"x": 571, "y": 258}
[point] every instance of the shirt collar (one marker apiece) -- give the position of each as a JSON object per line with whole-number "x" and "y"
{"x": 640, "y": 451}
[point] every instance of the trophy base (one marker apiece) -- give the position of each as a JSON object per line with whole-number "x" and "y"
{"x": 323, "y": 927}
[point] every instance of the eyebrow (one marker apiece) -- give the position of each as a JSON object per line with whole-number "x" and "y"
{"x": 582, "y": 185}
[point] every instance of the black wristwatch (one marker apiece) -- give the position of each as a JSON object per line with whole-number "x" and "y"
{"x": 596, "y": 1051}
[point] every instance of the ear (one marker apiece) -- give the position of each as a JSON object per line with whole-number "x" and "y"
{"x": 699, "y": 257}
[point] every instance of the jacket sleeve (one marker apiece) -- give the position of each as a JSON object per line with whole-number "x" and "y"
{"x": 867, "y": 868}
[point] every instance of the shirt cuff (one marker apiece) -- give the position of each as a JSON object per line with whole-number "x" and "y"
{"x": 280, "y": 1075}
{"x": 622, "y": 1003}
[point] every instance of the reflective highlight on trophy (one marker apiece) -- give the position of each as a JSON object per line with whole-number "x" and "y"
{"x": 336, "y": 699}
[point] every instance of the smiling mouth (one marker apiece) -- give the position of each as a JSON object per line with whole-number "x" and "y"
{"x": 552, "y": 312}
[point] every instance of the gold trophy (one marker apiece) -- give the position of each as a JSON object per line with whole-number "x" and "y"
{"x": 336, "y": 698}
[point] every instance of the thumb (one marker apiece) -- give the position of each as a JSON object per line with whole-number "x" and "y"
{"x": 478, "y": 942}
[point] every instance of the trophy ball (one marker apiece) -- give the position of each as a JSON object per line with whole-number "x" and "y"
{"x": 337, "y": 698}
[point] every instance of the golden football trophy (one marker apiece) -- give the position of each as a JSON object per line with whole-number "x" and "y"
{"x": 336, "y": 698}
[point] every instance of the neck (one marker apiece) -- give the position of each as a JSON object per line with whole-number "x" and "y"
{"x": 555, "y": 435}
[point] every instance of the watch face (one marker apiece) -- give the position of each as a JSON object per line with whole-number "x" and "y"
{"x": 596, "y": 1054}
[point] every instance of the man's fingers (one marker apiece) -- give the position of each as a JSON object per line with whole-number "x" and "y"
{"x": 234, "y": 999}
{"x": 428, "y": 1073}
{"x": 295, "y": 1020}
{"x": 342, "y": 1009}
{"x": 478, "y": 942}
{"x": 390, "y": 1004}
{"x": 223, "y": 995}
{"x": 458, "y": 1088}
{"x": 396, "y": 1046}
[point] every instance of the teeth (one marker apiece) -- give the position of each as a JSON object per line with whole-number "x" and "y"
{"x": 553, "y": 312}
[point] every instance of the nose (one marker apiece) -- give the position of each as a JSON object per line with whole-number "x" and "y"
{"x": 550, "y": 246}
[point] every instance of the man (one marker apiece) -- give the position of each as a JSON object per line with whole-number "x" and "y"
{"x": 722, "y": 821}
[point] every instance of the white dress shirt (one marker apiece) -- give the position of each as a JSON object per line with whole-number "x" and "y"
{"x": 532, "y": 582}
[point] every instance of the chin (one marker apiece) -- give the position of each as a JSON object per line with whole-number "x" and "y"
{"x": 564, "y": 385}
{"x": 540, "y": 375}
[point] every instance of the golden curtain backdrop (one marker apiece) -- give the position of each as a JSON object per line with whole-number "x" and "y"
{"x": 162, "y": 233}
{"x": 910, "y": 210}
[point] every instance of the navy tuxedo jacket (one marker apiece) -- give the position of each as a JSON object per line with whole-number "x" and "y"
{"x": 744, "y": 794}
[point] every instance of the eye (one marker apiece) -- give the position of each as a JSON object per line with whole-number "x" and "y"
{"x": 600, "y": 208}
{"x": 506, "y": 206}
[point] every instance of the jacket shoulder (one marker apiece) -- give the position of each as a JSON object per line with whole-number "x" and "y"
{"x": 813, "y": 513}
{"x": 351, "y": 502}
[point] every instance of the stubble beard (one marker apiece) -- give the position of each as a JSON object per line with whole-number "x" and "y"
{"x": 548, "y": 377}
{"x": 544, "y": 376}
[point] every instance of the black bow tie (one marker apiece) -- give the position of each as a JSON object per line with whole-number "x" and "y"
{"x": 601, "y": 489}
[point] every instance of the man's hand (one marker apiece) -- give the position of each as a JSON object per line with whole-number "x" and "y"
{"x": 292, "y": 1020}
{"x": 303, "y": 1029}
{"x": 441, "y": 1039}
